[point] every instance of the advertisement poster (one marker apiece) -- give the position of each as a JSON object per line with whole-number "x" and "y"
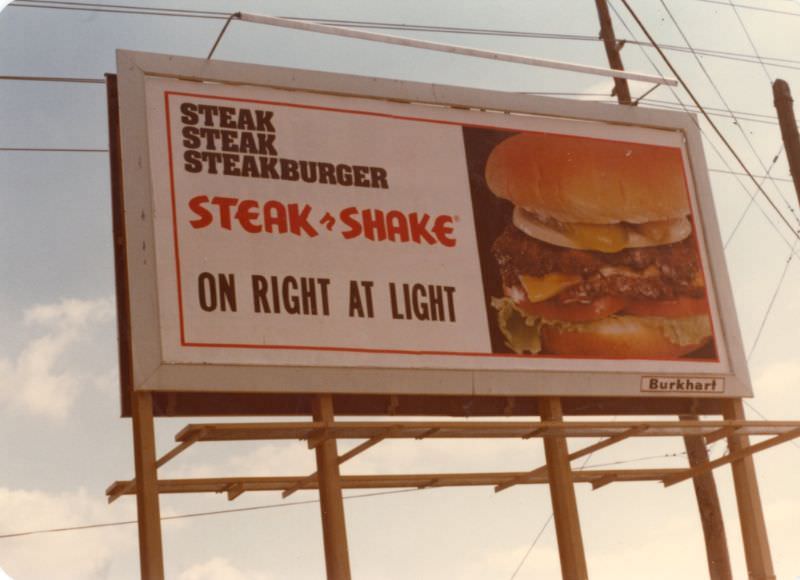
{"x": 298, "y": 229}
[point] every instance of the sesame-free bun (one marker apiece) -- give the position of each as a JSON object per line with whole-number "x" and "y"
{"x": 583, "y": 180}
{"x": 615, "y": 337}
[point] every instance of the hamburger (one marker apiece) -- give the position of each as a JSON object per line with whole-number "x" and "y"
{"x": 599, "y": 258}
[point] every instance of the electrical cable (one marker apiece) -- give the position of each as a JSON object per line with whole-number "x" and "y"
{"x": 646, "y": 458}
{"x": 771, "y": 304}
{"x": 757, "y": 8}
{"x": 770, "y": 79}
{"x": 757, "y": 54}
{"x": 708, "y": 118}
{"x": 720, "y": 112}
{"x": 189, "y": 13}
{"x": 760, "y": 414}
{"x": 533, "y": 545}
{"x": 792, "y": 246}
{"x": 656, "y": 103}
{"x": 722, "y": 98}
{"x": 752, "y": 200}
{"x": 54, "y": 149}
{"x": 750, "y": 40}
{"x": 201, "y": 514}
{"x": 52, "y": 79}
{"x": 116, "y": 9}
{"x": 543, "y": 528}
{"x": 703, "y": 133}
{"x": 725, "y": 171}
{"x": 314, "y": 501}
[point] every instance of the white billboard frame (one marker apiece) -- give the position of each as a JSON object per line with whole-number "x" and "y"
{"x": 151, "y": 372}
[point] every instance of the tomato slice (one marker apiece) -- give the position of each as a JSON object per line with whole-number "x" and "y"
{"x": 677, "y": 308}
{"x": 574, "y": 312}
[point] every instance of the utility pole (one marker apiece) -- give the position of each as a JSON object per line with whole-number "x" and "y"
{"x": 719, "y": 566}
{"x": 791, "y": 140}
{"x": 621, "y": 90}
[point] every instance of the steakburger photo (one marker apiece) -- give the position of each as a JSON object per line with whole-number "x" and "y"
{"x": 600, "y": 257}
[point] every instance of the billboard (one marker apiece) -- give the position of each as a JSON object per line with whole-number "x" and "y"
{"x": 305, "y": 232}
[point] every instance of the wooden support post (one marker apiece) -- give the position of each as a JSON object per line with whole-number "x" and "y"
{"x": 337, "y": 560}
{"x": 705, "y": 490}
{"x": 612, "y": 47}
{"x": 748, "y": 500}
{"x": 151, "y": 558}
{"x": 562, "y": 494}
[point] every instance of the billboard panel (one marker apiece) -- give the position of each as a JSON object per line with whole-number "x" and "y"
{"x": 305, "y": 234}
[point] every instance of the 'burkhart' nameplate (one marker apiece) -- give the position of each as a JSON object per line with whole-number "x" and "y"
{"x": 689, "y": 385}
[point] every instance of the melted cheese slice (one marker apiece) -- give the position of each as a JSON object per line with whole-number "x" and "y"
{"x": 540, "y": 288}
{"x": 608, "y": 238}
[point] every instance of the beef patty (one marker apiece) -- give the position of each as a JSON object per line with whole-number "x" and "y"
{"x": 656, "y": 272}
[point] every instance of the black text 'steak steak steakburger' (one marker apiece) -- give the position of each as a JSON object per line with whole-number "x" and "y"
{"x": 600, "y": 258}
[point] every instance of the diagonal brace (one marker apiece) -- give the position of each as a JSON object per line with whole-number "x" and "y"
{"x": 731, "y": 457}
{"x": 633, "y": 431}
{"x": 130, "y": 485}
{"x": 358, "y": 449}
{"x": 721, "y": 433}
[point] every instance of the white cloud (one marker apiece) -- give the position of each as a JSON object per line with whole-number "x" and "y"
{"x": 85, "y": 554}
{"x": 220, "y": 569}
{"x": 38, "y": 380}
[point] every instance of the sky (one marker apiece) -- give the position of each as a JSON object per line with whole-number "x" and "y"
{"x": 62, "y": 441}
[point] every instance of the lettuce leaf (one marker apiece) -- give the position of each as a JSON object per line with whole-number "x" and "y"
{"x": 683, "y": 331}
{"x": 520, "y": 330}
{"x": 523, "y": 331}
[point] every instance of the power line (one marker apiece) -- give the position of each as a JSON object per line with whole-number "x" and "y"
{"x": 116, "y": 9}
{"x": 752, "y": 200}
{"x": 637, "y": 459}
{"x": 156, "y": 9}
{"x": 707, "y": 117}
{"x": 206, "y": 14}
{"x": 78, "y": 4}
{"x": 722, "y": 98}
{"x": 713, "y": 146}
{"x": 543, "y": 528}
{"x": 79, "y": 150}
{"x": 532, "y": 546}
{"x": 54, "y": 149}
{"x": 725, "y": 171}
{"x": 656, "y": 103}
{"x": 760, "y": 414}
{"x": 750, "y": 40}
{"x": 771, "y": 303}
{"x": 200, "y": 514}
{"x": 769, "y": 79}
{"x": 756, "y": 8}
{"x": 714, "y": 111}
{"x": 51, "y": 79}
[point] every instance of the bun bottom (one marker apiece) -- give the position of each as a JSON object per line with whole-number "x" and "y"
{"x": 619, "y": 337}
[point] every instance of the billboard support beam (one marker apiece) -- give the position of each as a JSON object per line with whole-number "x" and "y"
{"x": 337, "y": 559}
{"x": 151, "y": 557}
{"x": 705, "y": 491}
{"x": 748, "y": 500}
{"x": 562, "y": 495}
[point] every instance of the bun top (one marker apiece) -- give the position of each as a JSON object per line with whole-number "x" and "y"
{"x": 583, "y": 180}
